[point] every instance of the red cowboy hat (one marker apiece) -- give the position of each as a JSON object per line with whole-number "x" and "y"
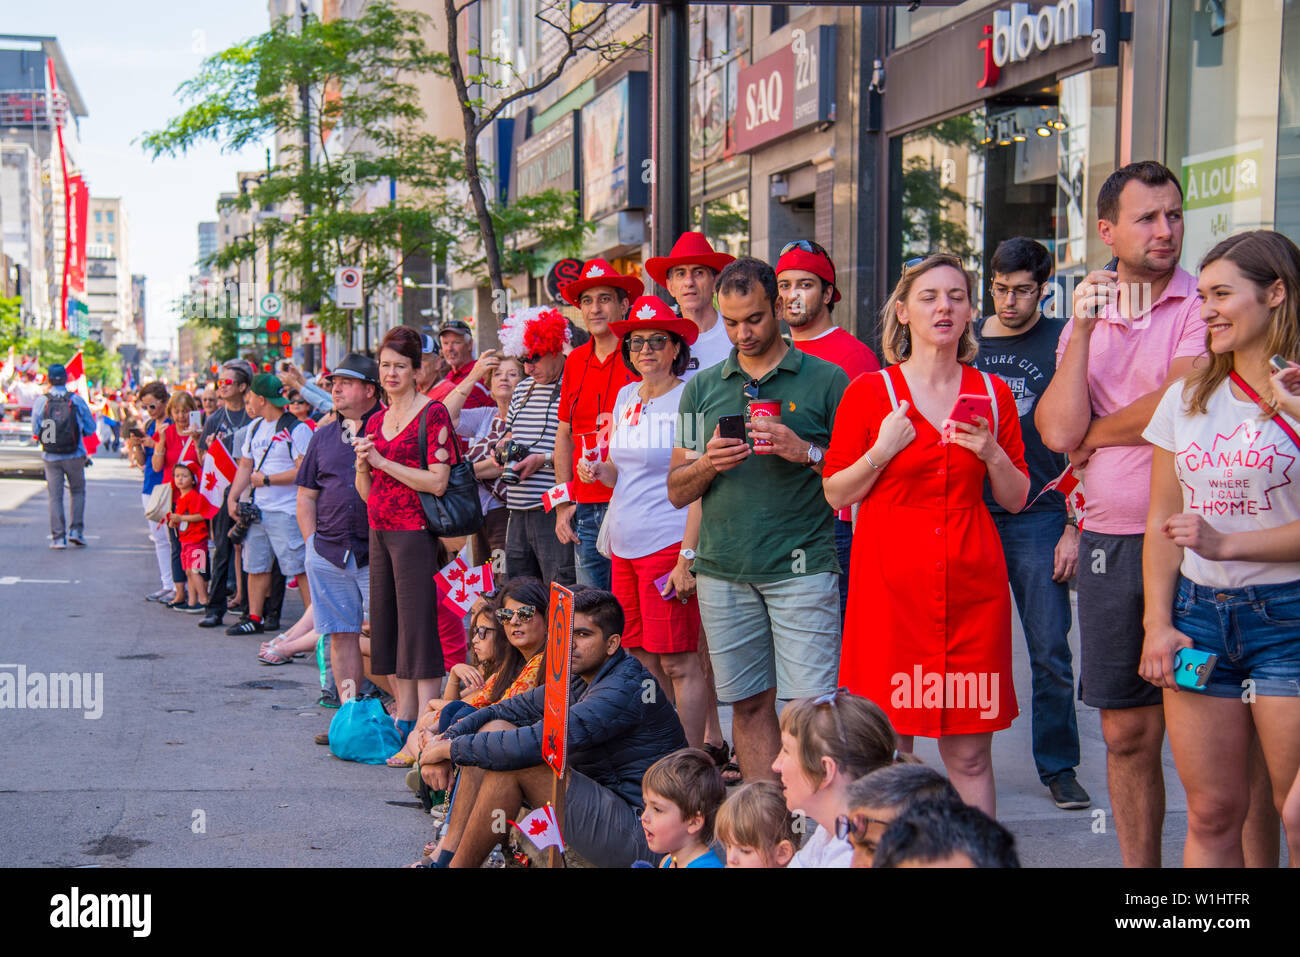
{"x": 597, "y": 272}
{"x": 651, "y": 312}
{"x": 691, "y": 249}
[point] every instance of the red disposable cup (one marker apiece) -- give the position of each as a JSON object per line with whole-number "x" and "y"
{"x": 761, "y": 408}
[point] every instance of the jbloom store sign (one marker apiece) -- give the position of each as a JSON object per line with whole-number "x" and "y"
{"x": 787, "y": 91}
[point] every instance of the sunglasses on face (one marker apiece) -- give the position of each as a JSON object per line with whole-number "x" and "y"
{"x": 656, "y": 343}
{"x": 525, "y": 613}
{"x": 482, "y": 633}
{"x": 225, "y": 382}
{"x": 530, "y": 360}
{"x": 807, "y": 245}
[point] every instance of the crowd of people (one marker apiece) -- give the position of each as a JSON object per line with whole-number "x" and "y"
{"x": 753, "y": 512}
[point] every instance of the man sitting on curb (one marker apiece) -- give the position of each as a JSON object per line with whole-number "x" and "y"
{"x": 620, "y": 723}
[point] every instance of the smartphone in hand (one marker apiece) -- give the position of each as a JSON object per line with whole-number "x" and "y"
{"x": 659, "y": 587}
{"x": 1192, "y": 668}
{"x": 732, "y": 427}
{"x": 1279, "y": 363}
{"x": 196, "y": 420}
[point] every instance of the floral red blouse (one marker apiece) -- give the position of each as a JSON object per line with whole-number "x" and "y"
{"x": 393, "y": 506}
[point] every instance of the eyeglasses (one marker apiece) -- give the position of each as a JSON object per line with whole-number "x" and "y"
{"x": 150, "y": 407}
{"x": 656, "y": 343}
{"x": 525, "y": 613}
{"x": 839, "y": 725}
{"x": 807, "y": 245}
{"x": 855, "y": 826}
{"x": 1023, "y": 293}
{"x": 482, "y": 634}
{"x": 751, "y": 389}
{"x": 530, "y": 360}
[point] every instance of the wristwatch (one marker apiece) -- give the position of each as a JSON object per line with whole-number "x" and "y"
{"x": 266, "y": 481}
{"x": 814, "y": 455}
{"x": 550, "y": 460}
{"x": 688, "y": 554}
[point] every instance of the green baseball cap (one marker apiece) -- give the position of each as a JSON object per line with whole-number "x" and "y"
{"x": 268, "y": 387}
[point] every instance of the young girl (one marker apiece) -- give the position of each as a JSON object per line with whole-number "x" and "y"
{"x": 1221, "y": 557}
{"x": 192, "y": 530}
{"x": 756, "y": 827}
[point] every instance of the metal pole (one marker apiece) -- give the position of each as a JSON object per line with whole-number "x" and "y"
{"x": 671, "y": 112}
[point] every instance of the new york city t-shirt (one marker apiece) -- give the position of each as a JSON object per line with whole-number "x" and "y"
{"x": 1237, "y": 472}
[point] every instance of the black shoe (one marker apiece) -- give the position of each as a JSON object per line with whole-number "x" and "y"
{"x": 271, "y": 624}
{"x": 179, "y": 605}
{"x": 246, "y": 627}
{"x": 211, "y": 621}
{"x": 1067, "y": 793}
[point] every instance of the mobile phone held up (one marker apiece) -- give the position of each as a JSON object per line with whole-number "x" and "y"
{"x": 1112, "y": 265}
{"x": 1192, "y": 668}
{"x": 196, "y": 419}
{"x": 1279, "y": 364}
{"x": 965, "y": 409}
{"x": 732, "y": 427}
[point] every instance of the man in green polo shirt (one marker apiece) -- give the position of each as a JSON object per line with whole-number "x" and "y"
{"x": 767, "y": 572}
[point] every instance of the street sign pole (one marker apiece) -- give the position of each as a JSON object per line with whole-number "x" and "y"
{"x": 555, "y": 708}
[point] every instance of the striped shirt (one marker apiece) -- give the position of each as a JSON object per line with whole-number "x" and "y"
{"x": 533, "y": 414}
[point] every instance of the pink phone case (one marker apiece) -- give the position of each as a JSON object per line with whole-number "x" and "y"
{"x": 968, "y": 406}
{"x": 659, "y": 586}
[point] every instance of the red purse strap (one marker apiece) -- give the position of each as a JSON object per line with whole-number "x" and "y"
{"x": 1255, "y": 397}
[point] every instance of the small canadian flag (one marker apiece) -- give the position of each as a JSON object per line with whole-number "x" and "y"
{"x": 557, "y": 495}
{"x": 540, "y": 827}
{"x": 473, "y": 582}
{"x": 1070, "y": 484}
{"x": 218, "y": 472}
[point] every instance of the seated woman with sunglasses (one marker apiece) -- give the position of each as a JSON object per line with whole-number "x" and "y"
{"x": 827, "y": 743}
{"x": 651, "y": 541}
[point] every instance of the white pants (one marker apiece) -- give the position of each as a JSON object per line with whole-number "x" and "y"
{"x": 162, "y": 546}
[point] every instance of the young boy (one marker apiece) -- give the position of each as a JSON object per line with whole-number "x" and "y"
{"x": 682, "y": 794}
{"x": 192, "y": 529}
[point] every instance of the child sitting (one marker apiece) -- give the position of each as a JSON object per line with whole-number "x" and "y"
{"x": 192, "y": 529}
{"x": 682, "y": 794}
{"x": 756, "y": 828}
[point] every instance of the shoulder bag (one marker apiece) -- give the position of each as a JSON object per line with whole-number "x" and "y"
{"x": 457, "y": 511}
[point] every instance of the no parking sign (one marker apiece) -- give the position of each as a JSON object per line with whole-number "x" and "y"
{"x": 347, "y": 279}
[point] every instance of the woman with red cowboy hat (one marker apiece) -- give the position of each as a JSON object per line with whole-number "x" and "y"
{"x": 651, "y": 542}
{"x": 689, "y": 272}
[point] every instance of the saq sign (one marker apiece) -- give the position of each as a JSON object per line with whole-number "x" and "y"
{"x": 784, "y": 92}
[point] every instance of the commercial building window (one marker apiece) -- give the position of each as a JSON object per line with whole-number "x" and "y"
{"x": 1231, "y": 138}
{"x": 109, "y": 216}
{"x": 112, "y": 238}
{"x": 99, "y": 216}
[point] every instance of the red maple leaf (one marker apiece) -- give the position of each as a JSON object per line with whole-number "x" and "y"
{"x": 210, "y": 481}
{"x": 472, "y": 579}
{"x": 539, "y": 826}
{"x": 456, "y": 573}
{"x": 460, "y": 596}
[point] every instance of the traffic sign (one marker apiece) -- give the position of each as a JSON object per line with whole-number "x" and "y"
{"x": 249, "y": 322}
{"x": 555, "y": 709}
{"x": 348, "y": 281}
{"x": 270, "y": 304}
{"x": 311, "y": 331}
{"x": 244, "y": 338}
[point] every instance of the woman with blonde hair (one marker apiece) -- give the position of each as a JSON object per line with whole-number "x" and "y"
{"x": 1221, "y": 555}
{"x": 928, "y": 630}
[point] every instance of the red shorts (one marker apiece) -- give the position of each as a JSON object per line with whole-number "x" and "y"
{"x": 660, "y": 627}
{"x": 194, "y": 556}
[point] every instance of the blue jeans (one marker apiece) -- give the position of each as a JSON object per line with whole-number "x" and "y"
{"x": 590, "y": 566}
{"x": 843, "y": 551}
{"x": 1029, "y": 542}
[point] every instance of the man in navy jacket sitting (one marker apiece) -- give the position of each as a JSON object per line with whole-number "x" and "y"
{"x": 620, "y": 723}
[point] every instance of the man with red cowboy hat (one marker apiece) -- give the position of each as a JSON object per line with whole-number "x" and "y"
{"x": 689, "y": 272}
{"x": 593, "y": 374}
{"x": 805, "y": 286}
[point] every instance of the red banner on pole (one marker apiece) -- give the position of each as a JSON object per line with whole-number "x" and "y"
{"x": 78, "y": 211}
{"x": 559, "y": 647}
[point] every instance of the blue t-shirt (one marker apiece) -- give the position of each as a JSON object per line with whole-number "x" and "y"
{"x": 1026, "y": 363}
{"x": 151, "y": 477}
{"x": 707, "y": 859}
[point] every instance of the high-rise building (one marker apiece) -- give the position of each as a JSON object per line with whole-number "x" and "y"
{"x": 22, "y": 222}
{"x": 32, "y": 113}
{"x": 138, "y": 305}
{"x": 108, "y": 276}
{"x": 209, "y": 243}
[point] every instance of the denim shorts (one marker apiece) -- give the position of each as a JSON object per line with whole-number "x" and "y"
{"x": 340, "y": 597}
{"x": 277, "y": 533}
{"x": 783, "y": 634}
{"x": 1255, "y": 631}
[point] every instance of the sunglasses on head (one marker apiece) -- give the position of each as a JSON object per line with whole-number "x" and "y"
{"x": 944, "y": 258}
{"x": 839, "y": 725}
{"x": 656, "y": 343}
{"x": 525, "y": 613}
{"x": 807, "y": 245}
{"x": 751, "y": 389}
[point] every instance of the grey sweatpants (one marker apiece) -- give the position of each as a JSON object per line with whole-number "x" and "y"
{"x": 74, "y": 470}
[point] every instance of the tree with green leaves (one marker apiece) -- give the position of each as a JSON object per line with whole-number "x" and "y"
{"x": 350, "y": 89}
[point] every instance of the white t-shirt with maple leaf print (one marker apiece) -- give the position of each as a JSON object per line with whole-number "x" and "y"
{"x": 1238, "y": 472}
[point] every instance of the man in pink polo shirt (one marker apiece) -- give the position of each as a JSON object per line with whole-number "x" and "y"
{"x": 1136, "y": 328}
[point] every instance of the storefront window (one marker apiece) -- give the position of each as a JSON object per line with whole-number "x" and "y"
{"x": 1222, "y": 136}
{"x": 726, "y": 223}
{"x": 1288, "y": 133}
{"x": 719, "y": 47}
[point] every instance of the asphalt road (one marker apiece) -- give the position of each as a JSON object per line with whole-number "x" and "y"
{"x": 203, "y": 757}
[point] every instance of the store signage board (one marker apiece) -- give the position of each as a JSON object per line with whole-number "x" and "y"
{"x": 1222, "y": 195}
{"x": 548, "y": 160}
{"x": 615, "y": 129}
{"x": 788, "y": 90}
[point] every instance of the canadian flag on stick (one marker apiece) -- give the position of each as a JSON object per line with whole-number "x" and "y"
{"x": 218, "y": 472}
{"x": 459, "y": 585}
{"x": 77, "y": 383}
{"x": 1070, "y": 484}
{"x": 557, "y": 495}
{"x": 541, "y": 828}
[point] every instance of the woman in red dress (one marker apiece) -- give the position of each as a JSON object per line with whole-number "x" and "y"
{"x": 928, "y": 630}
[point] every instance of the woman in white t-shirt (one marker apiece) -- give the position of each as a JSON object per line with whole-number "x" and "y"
{"x": 651, "y": 542}
{"x": 1221, "y": 558}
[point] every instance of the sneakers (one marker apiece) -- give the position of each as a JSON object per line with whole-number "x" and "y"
{"x": 161, "y": 595}
{"x": 246, "y": 627}
{"x": 328, "y": 699}
{"x": 1067, "y": 793}
{"x": 58, "y": 543}
{"x": 77, "y": 540}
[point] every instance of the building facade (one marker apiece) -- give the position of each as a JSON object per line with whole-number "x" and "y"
{"x": 108, "y": 274}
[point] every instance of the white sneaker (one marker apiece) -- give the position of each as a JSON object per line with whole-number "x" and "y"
{"x": 58, "y": 543}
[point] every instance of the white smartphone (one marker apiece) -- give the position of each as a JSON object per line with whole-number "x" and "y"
{"x": 196, "y": 419}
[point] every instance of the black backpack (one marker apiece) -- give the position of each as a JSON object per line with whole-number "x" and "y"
{"x": 59, "y": 429}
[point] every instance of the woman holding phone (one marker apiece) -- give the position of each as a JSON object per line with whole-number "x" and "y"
{"x": 928, "y": 630}
{"x": 652, "y": 542}
{"x": 403, "y": 554}
{"x": 1221, "y": 556}
{"x": 170, "y": 440}
{"x": 153, "y": 403}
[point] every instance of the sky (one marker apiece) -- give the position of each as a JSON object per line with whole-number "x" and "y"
{"x": 127, "y": 58}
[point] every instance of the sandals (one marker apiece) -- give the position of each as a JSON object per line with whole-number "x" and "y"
{"x": 267, "y": 655}
{"x": 401, "y": 760}
{"x": 721, "y": 755}
{"x": 276, "y": 641}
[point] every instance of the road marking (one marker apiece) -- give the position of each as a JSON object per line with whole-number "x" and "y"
{"x": 15, "y": 580}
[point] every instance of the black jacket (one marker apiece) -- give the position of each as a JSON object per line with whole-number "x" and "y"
{"x": 619, "y": 725}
